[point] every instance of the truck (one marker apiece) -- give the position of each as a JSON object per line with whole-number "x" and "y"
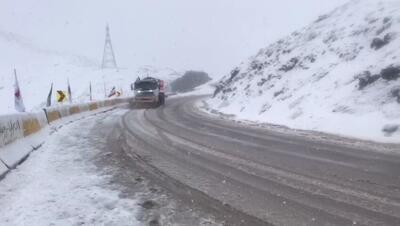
{"x": 149, "y": 91}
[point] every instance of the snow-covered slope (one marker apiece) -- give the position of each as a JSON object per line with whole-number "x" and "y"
{"x": 37, "y": 68}
{"x": 340, "y": 74}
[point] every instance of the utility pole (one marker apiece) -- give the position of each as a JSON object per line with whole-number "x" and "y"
{"x": 108, "y": 54}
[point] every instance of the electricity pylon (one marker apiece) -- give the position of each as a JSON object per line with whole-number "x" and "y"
{"x": 108, "y": 54}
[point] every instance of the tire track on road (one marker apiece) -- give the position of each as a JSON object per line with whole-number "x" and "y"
{"x": 168, "y": 132}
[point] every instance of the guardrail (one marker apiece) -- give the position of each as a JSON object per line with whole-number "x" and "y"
{"x": 14, "y": 127}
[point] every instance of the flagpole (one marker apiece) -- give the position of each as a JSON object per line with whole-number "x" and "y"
{"x": 90, "y": 90}
{"x": 48, "y": 104}
{"x": 69, "y": 92}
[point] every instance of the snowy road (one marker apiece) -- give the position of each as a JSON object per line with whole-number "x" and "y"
{"x": 80, "y": 177}
{"x": 176, "y": 165}
{"x": 250, "y": 175}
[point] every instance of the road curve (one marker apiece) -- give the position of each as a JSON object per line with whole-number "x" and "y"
{"x": 256, "y": 176}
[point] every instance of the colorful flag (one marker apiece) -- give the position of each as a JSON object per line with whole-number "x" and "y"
{"x": 69, "y": 92}
{"x": 18, "y": 102}
{"x": 48, "y": 104}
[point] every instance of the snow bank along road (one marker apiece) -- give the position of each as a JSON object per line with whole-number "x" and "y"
{"x": 247, "y": 175}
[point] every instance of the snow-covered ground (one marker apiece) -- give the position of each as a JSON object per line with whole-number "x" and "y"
{"x": 59, "y": 185}
{"x": 340, "y": 74}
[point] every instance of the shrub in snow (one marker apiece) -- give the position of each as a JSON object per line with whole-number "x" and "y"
{"x": 390, "y": 129}
{"x": 262, "y": 82}
{"x": 396, "y": 94}
{"x": 290, "y": 65}
{"x": 218, "y": 88}
{"x": 391, "y": 73}
{"x": 234, "y": 73}
{"x": 366, "y": 79}
{"x": 279, "y": 92}
{"x": 378, "y": 43}
{"x": 386, "y": 25}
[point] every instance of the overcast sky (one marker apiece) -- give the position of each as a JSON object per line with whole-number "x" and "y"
{"x": 210, "y": 35}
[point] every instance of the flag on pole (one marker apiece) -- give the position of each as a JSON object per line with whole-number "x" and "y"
{"x": 90, "y": 91}
{"x": 112, "y": 92}
{"x": 48, "y": 104}
{"x": 18, "y": 102}
{"x": 69, "y": 92}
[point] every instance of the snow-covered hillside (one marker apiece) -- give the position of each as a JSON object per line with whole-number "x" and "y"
{"x": 37, "y": 68}
{"x": 341, "y": 74}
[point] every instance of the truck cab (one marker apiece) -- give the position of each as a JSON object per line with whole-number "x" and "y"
{"x": 149, "y": 91}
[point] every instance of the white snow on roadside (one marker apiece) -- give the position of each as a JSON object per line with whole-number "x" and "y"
{"x": 57, "y": 185}
{"x": 205, "y": 89}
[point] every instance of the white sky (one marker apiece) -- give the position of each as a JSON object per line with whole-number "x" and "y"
{"x": 211, "y": 35}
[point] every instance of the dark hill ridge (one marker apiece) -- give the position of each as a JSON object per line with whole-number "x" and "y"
{"x": 189, "y": 81}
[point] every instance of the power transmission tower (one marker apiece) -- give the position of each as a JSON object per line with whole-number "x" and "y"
{"x": 108, "y": 54}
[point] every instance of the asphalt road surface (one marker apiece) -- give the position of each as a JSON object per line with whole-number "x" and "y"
{"x": 249, "y": 175}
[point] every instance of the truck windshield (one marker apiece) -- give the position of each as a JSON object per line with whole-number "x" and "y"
{"x": 145, "y": 85}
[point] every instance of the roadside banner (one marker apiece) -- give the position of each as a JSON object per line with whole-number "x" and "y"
{"x": 60, "y": 96}
{"x": 18, "y": 102}
{"x": 48, "y": 104}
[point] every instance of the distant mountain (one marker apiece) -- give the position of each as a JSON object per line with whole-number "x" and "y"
{"x": 340, "y": 74}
